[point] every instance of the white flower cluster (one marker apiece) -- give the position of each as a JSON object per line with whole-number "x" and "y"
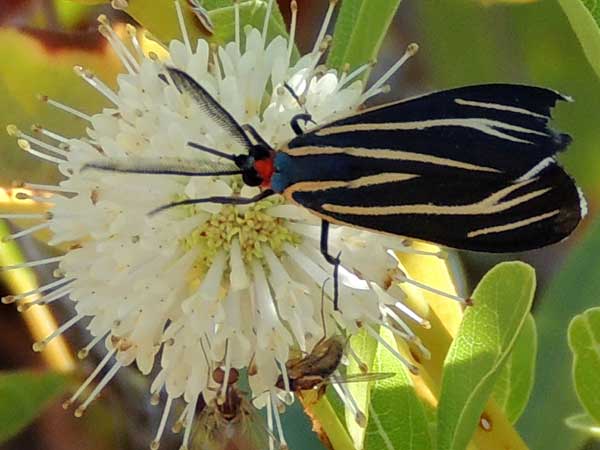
{"x": 209, "y": 285}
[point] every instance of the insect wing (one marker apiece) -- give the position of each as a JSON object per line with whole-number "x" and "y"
{"x": 360, "y": 377}
{"x": 470, "y": 168}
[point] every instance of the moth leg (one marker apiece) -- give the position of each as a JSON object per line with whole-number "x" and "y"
{"x": 294, "y": 123}
{"x": 333, "y": 260}
{"x": 221, "y": 200}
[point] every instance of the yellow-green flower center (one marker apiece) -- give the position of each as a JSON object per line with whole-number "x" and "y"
{"x": 252, "y": 226}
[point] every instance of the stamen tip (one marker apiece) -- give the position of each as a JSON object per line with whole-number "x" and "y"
{"x": 23, "y": 145}
{"x": 42, "y": 98}
{"x": 412, "y": 49}
{"x": 79, "y": 411}
{"x": 8, "y": 299}
{"x": 177, "y": 427}
{"x": 23, "y": 307}
{"x": 294, "y": 6}
{"x": 155, "y": 399}
{"x": 426, "y": 324}
{"x": 119, "y": 4}
{"x": 361, "y": 419}
{"x": 413, "y": 369}
{"x": 66, "y": 404}
{"x": 39, "y": 346}
{"x": 130, "y": 29}
{"x": 6, "y": 239}
{"x": 12, "y": 130}
{"x": 469, "y": 301}
{"x": 155, "y": 445}
{"x": 103, "y": 19}
{"x": 83, "y": 353}
{"x": 363, "y": 367}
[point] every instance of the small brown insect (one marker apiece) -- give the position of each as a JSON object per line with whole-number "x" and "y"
{"x": 231, "y": 424}
{"x": 315, "y": 370}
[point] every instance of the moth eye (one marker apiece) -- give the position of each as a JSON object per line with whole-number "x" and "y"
{"x": 251, "y": 178}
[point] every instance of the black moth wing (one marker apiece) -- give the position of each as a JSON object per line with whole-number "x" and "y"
{"x": 471, "y": 168}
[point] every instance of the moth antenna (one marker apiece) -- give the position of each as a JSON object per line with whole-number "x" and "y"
{"x": 211, "y": 151}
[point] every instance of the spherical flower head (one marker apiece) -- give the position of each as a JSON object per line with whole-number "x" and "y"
{"x": 211, "y": 285}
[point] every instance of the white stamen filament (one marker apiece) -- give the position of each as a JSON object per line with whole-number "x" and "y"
{"x": 45, "y": 300}
{"x": 274, "y": 401}
{"x": 23, "y": 216}
{"x": 324, "y": 26}
{"x": 225, "y": 384}
{"x": 266, "y": 22}
{"x": 84, "y": 352}
{"x": 39, "y": 262}
{"x": 65, "y": 108}
{"x": 402, "y": 278}
{"x": 294, "y": 21}
{"x": 361, "y": 364}
{"x": 51, "y": 134}
{"x": 411, "y": 50}
{"x": 348, "y": 400}
{"x": 37, "y": 198}
{"x": 289, "y": 397}
{"x": 103, "y": 382}
{"x": 26, "y": 146}
{"x": 96, "y": 83}
{"x": 89, "y": 379}
{"x": 25, "y": 232}
{"x": 270, "y": 423}
{"x": 163, "y": 421}
{"x": 48, "y": 188}
{"x": 128, "y": 60}
{"x": 180, "y": 422}
{"x": 353, "y": 75}
{"x": 182, "y": 27}
{"x": 236, "y": 10}
{"x": 189, "y": 422}
{"x": 135, "y": 43}
{"x": 41, "y": 289}
{"x": 389, "y": 312}
{"x": 413, "y": 369}
{"x": 41, "y": 345}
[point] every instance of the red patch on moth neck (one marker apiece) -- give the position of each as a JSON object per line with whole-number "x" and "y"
{"x": 265, "y": 169}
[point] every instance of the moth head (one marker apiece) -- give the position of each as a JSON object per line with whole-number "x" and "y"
{"x": 257, "y": 167}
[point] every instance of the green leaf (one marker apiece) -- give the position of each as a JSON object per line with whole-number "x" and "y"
{"x": 584, "y": 341}
{"x": 359, "y": 32}
{"x": 23, "y": 396}
{"x": 160, "y": 18}
{"x": 574, "y": 289}
{"x": 485, "y": 338}
{"x": 584, "y": 17}
{"x": 32, "y": 64}
{"x": 515, "y": 380}
{"x": 585, "y": 424}
{"x": 396, "y": 415}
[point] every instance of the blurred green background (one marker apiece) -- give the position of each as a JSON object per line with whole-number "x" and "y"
{"x": 462, "y": 42}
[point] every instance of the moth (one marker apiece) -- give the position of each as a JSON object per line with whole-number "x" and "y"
{"x": 471, "y": 168}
